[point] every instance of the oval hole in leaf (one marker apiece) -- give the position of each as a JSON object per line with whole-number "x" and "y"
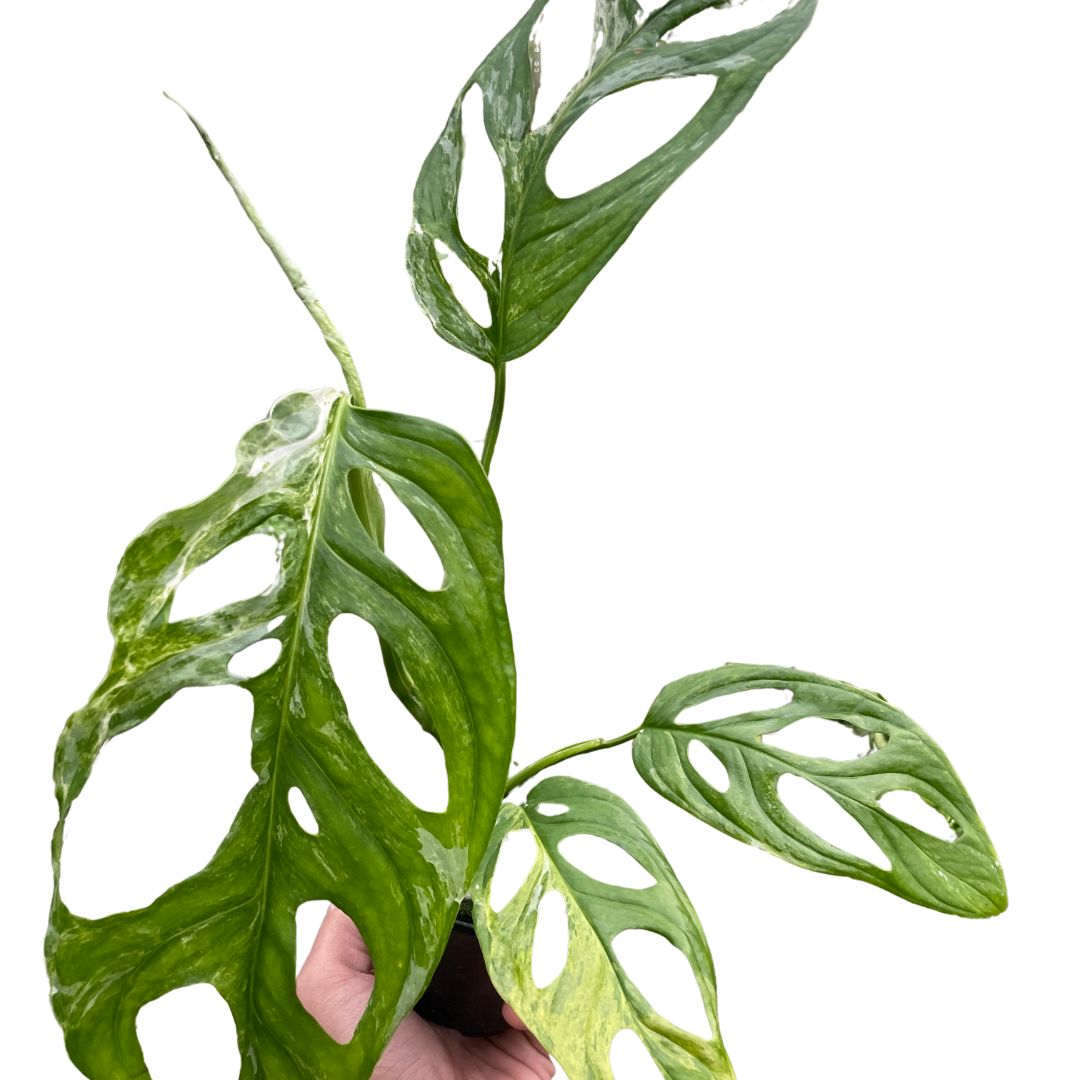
{"x": 517, "y": 854}
{"x": 551, "y": 809}
{"x": 719, "y": 22}
{"x": 818, "y": 738}
{"x": 709, "y": 766}
{"x": 243, "y": 570}
{"x": 302, "y": 812}
{"x": 159, "y": 802}
{"x": 721, "y": 708}
{"x": 407, "y": 543}
{"x": 605, "y": 861}
{"x": 630, "y": 1058}
{"x": 665, "y": 978}
{"x": 561, "y": 35}
{"x": 463, "y": 284}
{"x": 309, "y": 917}
{"x": 551, "y": 943}
{"x": 911, "y": 807}
{"x": 342, "y": 1023}
{"x": 480, "y": 197}
{"x": 189, "y": 1032}
{"x": 255, "y": 659}
{"x": 821, "y": 814}
{"x": 409, "y": 757}
{"x": 620, "y": 130}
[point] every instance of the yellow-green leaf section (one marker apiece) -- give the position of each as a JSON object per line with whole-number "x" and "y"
{"x": 592, "y": 999}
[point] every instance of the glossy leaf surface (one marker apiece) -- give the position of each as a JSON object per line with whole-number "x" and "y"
{"x": 552, "y": 247}
{"x": 303, "y": 475}
{"x": 960, "y": 877}
{"x": 593, "y": 999}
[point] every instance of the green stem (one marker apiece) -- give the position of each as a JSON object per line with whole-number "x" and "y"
{"x": 495, "y": 420}
{"x": 334, "y": 340}
{"x": 586, "y": 747}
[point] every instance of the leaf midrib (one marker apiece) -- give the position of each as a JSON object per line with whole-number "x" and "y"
{"x": 333, "y": 428}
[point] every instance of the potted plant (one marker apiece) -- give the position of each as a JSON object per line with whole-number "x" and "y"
{"x": 305, "y": 476}
{"x": 461, "y": 994}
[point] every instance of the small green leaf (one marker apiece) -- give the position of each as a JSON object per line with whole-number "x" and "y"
{"x": 552, "y": 248}
{"x": 960, "y": 877}
{"x": 303, "y": 475}
{"x": 592, "y": 999}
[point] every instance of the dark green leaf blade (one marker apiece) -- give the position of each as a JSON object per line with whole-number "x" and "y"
{"x": 552, "y": 247}
{"x": 398, "y": 871}
{"x": 961, "y": 877}
{"x": 592, "y": 999}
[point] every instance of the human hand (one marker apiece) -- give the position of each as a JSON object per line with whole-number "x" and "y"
{"x": 334, "y": 986}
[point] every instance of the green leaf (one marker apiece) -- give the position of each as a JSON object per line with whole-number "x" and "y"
{"x": 398, "y": 872}
{"x": 592, "y": 999}
{"x": 552, "y": 248}
{"x": 961, "y": 877}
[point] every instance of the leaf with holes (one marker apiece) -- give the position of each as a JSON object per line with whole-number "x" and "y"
{"x": 552, "y": 248}
{"x": 961, "y": 877}
{"x": 592, "y": 999}
{"x": 303, "y": 475}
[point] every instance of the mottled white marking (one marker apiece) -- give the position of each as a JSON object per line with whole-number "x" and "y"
{"x": 260, "y": 465}
{"x": 333, "y": 872}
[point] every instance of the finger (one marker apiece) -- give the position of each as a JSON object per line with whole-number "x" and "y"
{"x": 512, "y": 1017}
{"x": 338, "y": 941}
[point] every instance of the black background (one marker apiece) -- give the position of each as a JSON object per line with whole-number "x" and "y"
{"x": 756, "y": 437}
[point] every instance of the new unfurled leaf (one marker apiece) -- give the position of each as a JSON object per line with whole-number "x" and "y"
{"x": 303, "y": 475}
{"x": 961, "y": 877}
{"x": 552, "y": 247}
{"x": 593, "y": 999}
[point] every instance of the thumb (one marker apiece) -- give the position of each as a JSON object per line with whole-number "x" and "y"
{"x": 512, "y": 1018}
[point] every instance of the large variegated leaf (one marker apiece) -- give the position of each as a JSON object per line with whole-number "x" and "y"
{"x": 593, "y": 999}
{"x": 961, "y": 877}
{"x": 304, "y": 476}
{"x": 553, "y": 247}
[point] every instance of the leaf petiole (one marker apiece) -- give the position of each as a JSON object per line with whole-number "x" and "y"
{"x": 586, "y": 747}
{"x": 495, "y": 419}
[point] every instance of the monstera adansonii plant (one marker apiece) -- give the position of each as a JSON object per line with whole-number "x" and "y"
{"x": 304, "y": 475}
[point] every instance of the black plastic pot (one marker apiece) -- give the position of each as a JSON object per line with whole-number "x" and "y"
{"x": 460, "y": 994}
